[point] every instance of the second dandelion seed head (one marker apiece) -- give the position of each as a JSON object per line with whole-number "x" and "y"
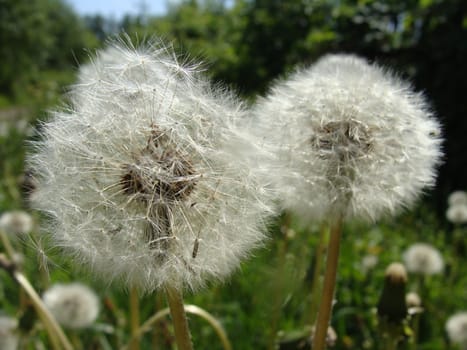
{"x": 347, "y": 136}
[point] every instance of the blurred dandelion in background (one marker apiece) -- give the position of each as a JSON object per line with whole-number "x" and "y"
{"x": 457, "y": 207}
{"x": 9, "y": 339}
{"x": 456, "y": 328}
{"x": 424, "y": 259}
{"x": 16, "y": 222}
{"x": 73, "y": 305}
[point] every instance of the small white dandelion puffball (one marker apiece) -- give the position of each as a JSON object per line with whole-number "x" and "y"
{"x": 73, "y": 305}
{"x": 456, "y": 328}
{"x": 349, "y": 137}
{"x": 143, "y": 174}
{"x": 457, "y": 198}
{"x": 9, "y": 339}
{"x": 457, "y": 213}
{"x": 16, "y": 222}
{"x": 424, "y": 259}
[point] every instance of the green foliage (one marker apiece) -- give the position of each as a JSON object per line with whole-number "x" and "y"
{"x": 38, "y": 35}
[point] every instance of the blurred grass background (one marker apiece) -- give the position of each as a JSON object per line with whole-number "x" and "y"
{"x": 245, "y": 46}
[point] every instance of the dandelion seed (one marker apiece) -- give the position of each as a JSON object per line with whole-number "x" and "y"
{"x": 73, "y": 305}
{"x": 143, "y": 176}
{"x": 456, "y": 328}
{"x": 8, "y": 337}
{"x": 16, "y": 222}
{"x": 346, "y": 136}
{"x": 424, "y": 259}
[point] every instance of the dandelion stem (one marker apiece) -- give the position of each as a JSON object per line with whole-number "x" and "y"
{"x": 190, "y": 309}
{"x": 182, "y": 332}
{"x": 49, "y": 321}
{"x": 134, "y": 317}
{"x": 325, "y": 309}
{"x": 7, "y": 245}
{"x": 316, "y": 283}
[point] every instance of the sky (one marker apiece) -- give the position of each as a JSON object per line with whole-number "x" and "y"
{"x": 118, "y": 8}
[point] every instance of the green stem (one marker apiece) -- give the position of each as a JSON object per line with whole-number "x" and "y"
{"x": 134, "y": 318}
{"x": 325, "y": 309}
{"x": 190, "y": 309}
{"x": 55, "y": 331}
{"x": 182, "y": 332}
{"x": 7, "y": 245}
{"x": 316, "y": 283}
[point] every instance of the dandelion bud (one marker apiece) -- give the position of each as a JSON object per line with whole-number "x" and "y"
{"x": 143, "y": 174}
{"x": 348, "y": 136}
{"x": 392, "y": 306}
{"x": 17, "y": 222}
{"x": 74, "y": 305}
{"x": 424, "y": 259}
{"x": 456, "y": 328}
{"x": 8, "y": 338}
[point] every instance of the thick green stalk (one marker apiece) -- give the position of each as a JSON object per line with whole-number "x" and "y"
{"x": 325, "y": 310}
{"x": 182, "y": 332}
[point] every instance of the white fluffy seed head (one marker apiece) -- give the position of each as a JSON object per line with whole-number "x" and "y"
{"x": 73, "y": 305}
{"x": 144, "y": 176}
{"x": 457, "y": 198}
{"x": 348, "y": 136}
{"x": 457, "y": 213}
{"x": 456, "y": 328}
{"x": 9, "y": 339}
{"x": 16, "y": 222}
{"x": 424, "y": 259}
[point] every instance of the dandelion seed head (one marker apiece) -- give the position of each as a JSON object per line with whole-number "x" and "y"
{"x": 16, "y": 222}
{"x": 9, "y": 339}
{"x": 413, "y": 300}
{"x": 424, "y": 259}
{"x": 457, "y": 213}
{"x": 369, "y": 262}
{"x": 73, "y": 305}
{"x": 143, "y": 174}
{"x": 348, "y": 136}
{"x": 457, "y": 198}
{"x": 456, "y": 328}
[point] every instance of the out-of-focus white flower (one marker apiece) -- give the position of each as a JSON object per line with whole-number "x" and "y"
{"x": 457, "y": 198}
{"x": 144, "y": 174}
{"x": 73, "y": 305}
{"x": 413, "y": 300}
{"x": 348, "y": 137}
{"x": 456, "y": 327}
{"x": 8, "y": 338}
{"x": 457, "y": 213}
{"x": 369, "y": 262}
{"x": 16, "y": 221}
{"x": 423, "y": 258}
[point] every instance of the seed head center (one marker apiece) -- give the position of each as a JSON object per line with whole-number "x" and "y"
{"x": 160, "y": 172}
{"x": 347, "y": 139}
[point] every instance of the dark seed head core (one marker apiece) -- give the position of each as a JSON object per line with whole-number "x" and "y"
{"x": 160, "y": 172}
{"x": 347, "y": 139}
